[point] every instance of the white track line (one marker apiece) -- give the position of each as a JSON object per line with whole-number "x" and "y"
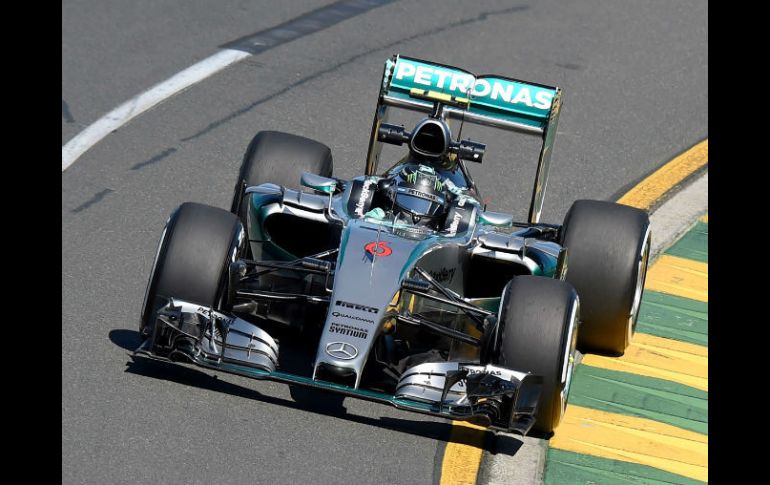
{"x": 144, "y": 101}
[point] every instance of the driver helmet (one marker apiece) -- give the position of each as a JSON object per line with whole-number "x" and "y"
{"x": 419, "y": 194}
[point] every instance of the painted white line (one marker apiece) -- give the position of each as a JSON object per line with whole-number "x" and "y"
{"x": 137, "y": 105}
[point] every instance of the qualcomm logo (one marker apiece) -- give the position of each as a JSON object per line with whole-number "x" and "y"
{"x": 341, "y": 350}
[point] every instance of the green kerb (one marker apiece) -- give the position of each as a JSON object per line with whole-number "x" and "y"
{"x": 641, "y": 396}
{"x": 694, "y": 244}
{"x": 565, "y": 467}
{"x": 674, "y": 317}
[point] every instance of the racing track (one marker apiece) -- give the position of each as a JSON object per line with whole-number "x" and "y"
{"x": 635, "y": 81}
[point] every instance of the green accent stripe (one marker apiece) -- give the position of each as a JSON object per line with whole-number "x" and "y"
{"x": 674, "y": 317}
{"x": 641, "y": 396}
{"x": 566, "y": 467}
{"x": 694, "y": 244}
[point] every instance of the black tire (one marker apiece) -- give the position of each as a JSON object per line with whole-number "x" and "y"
{"x": 608, "y": 246}
{"x": 191, "y": 263}
{"x": 538, "y": 331}
{"x": 279, "y": 158}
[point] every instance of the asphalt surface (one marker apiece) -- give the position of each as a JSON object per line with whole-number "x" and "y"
{"x": 635, "y": 85}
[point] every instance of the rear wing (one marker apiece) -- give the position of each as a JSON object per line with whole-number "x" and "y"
{"x": 491, "y": 100}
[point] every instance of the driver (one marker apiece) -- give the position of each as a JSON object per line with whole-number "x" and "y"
{"x": 418, "y": 194}
{"x": 420, "y": 189}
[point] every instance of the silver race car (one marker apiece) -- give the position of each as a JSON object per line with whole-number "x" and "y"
{"x": 398, "y": 286}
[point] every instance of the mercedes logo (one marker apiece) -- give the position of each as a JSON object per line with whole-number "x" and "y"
{"x": 341, "y": 350}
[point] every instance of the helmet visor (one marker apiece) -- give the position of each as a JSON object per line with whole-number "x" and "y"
{"x": 417, "y": 205}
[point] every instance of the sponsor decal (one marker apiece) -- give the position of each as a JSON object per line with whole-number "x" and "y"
{"x": 492, "y": 372}
{"x": 348, "y": 330}
{"x": 455, "y": 223}
{"x": 415, "y": 232}
{"x": 420, "y": 194}
{"x": 351, "y": 317}
{"x": 378, "y": 248}
{"x": 444, "y": 275}
{"x": 460, "y": 83}
{"x": 207, "y": 313}
{"x": 356, "y": 306}
{"x": 365, "y": 192}
{"x": 341, "y": 350}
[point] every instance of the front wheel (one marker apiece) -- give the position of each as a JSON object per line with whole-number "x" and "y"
{"x": 194, "y": 252}
{"x": 538, "y": 321}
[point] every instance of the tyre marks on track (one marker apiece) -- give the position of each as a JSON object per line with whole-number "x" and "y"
{"x": 95, "y": 199}
{"x": 157, "y": 158}
{"x": 65, "y": 112}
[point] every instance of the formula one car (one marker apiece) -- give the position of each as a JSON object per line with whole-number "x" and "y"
{"x": 398, "y": 286}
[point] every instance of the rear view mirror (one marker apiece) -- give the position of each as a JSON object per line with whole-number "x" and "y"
{"x": 496, "y": 219}
{"x": 319, "y": 183}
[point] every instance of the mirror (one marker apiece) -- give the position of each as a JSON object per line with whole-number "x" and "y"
{"x": 267, "y": 188}
{"x": 496, "y": 219}
{"x": 319, "y": 183}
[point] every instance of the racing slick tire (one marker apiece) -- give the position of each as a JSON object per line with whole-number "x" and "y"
{"x": 192, "y": 260}
{"x": 279, "y": 158}
{"x": 608, "y": 247}
{"x": 538, "y": 321}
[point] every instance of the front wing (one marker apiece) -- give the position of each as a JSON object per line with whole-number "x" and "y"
{"x": 488, "y": 395}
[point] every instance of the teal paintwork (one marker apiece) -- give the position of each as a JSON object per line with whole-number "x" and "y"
{"x": 494, "y": 96}
{"x": 546, "y": 262}
{"x": 258, "y": 206}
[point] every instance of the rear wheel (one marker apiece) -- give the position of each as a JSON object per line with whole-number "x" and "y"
{"x": 608, "y": 247}
{"x": 191, "y": 263}
{"x": 279, "y": 158}
{"x": 538, "y": 331}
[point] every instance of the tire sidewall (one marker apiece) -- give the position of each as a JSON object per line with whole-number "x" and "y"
{"x": 537, "y": 330}
{"x": 605, "y": 244}
{"x": 231, "y": 250}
